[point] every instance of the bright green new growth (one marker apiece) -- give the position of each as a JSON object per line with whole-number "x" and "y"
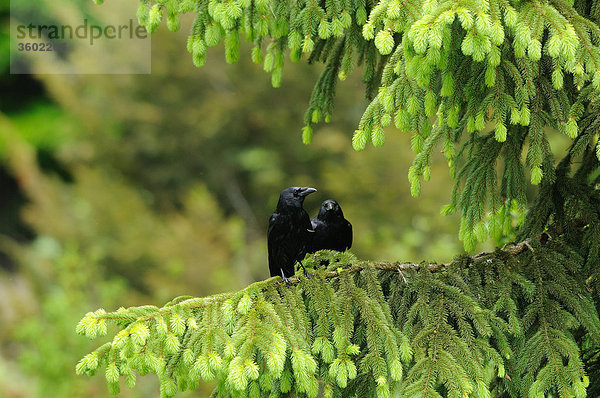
{"x": 269, "y": 338}
{"x": 497, "y": 323}
{"x": 506, "y": 72}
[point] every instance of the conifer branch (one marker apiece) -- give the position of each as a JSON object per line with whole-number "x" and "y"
{"x": 424, "y": 67}
{"x": 490, "y": 81}
{"x": 358, "y": 314}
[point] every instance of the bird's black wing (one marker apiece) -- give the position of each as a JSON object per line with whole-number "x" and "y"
{"x": 303, "y": 233}
{"x": 348, "y": 235}
{"x": 280, "y": 244}
{"x": 317, "y": 238}
{"x": 313, "y": 223}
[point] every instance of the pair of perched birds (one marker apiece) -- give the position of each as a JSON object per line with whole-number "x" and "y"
{"x": 292, "y": 234}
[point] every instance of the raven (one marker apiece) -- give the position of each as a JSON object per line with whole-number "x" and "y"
{"x": 332, "y": 230}
{"x": 290, "y": 233}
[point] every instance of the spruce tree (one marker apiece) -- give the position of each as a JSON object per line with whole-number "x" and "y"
{"x": 487, "y": 82}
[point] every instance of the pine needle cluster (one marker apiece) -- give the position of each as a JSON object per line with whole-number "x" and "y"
{"x": 485, "y": 80}
{"x": 509, "y": 323}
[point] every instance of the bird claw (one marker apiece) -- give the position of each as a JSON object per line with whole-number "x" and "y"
{"x": 306, "y": 273}
{"x": 285, "y": 279}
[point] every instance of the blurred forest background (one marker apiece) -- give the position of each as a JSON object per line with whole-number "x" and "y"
{"x": 133, "y": 189}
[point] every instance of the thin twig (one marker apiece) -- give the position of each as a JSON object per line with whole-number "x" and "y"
{"x": 402, "y": 275}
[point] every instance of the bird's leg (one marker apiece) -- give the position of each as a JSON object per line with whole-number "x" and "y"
{"x": 285, "y": 279}
{"x": 306, "y": 273}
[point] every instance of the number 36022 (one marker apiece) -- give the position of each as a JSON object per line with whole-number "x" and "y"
{"x": 35, "y": 47}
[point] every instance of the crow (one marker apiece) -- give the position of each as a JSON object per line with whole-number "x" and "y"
{"x": 290, "y": 234}
{"x": 332, "y": 230}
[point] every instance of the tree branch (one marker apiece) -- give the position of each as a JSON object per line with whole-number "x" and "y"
{"x": 511, "y": 248}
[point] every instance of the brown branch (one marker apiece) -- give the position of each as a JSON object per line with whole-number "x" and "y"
{"x": 510, "y": 248}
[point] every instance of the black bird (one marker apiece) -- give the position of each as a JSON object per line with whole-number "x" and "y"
{"x": 332, "y": 230}
{"x": 290, "y": 233}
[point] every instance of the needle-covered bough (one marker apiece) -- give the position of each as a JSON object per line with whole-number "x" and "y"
{"x": 489, "y": 323}
{"x": 490, "y": 84}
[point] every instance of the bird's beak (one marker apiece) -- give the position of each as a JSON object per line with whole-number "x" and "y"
{"x": 307, "y": 191}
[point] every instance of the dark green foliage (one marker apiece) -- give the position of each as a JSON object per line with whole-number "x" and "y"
{"x": 572, "y": 203}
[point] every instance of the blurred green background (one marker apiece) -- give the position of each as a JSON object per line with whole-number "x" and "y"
{"x": 133, "y": 189}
